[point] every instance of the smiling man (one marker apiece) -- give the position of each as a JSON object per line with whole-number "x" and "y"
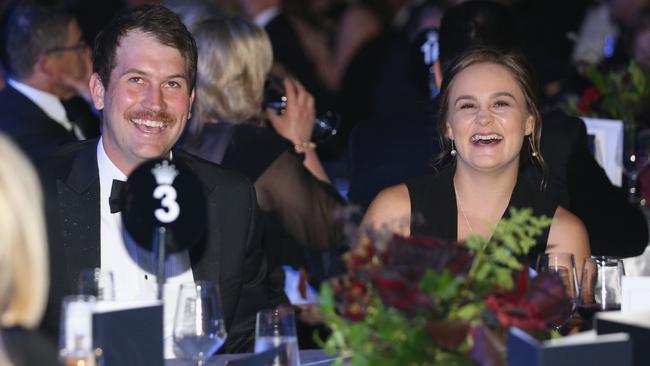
{"x": 143, "y": 81}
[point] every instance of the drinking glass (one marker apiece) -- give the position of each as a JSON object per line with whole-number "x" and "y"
{"x": 75, "y": 338}
{"x": 563, "y": 264}
{"x": 199, "y": 329}
{"x": 98, "y": 283}
{"x": 600, "y": 287}
{"x": 274, "y": 327}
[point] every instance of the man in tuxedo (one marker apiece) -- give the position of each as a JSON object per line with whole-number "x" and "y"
{"x": 144, "y": 67}
{"x": 48, "y": 65}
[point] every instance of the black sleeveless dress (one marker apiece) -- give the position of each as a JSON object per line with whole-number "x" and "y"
{"x": 434, "y": 211}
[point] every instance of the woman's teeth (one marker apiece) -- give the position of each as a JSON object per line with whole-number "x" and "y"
{"x": 486, "y": 139}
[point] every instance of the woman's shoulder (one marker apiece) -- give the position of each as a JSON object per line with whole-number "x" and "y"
{"x": 392, "y": 205}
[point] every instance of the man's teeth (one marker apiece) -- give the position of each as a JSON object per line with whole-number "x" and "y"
{"x": 148, "y": 123}
{"x": 491, "y": 137}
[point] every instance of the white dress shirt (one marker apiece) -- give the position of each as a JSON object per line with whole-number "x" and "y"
{"x": 133, "y": 267}
{"x": 50, "y": 104}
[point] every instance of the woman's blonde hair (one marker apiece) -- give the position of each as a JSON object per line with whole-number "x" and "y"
{"x": 235, "y": 56}
{"x": 23, "y": 249}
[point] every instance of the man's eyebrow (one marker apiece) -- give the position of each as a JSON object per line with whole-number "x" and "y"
{"x": 144, "y": 73}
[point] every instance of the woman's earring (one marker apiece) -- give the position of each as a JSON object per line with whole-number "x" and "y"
{"x": 533, "y": 153}
{"x": 453, "y": 149}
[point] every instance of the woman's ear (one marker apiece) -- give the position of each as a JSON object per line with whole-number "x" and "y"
{"x": 530, "y": 125}
{"x": 448, "y": 132}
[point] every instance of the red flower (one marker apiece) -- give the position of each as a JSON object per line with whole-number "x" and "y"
{"x": 591, "y": 95}
{"x": 400, "y": 293}
{"x": 542, "y": 302}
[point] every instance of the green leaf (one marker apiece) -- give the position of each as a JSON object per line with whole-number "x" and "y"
{"x": 470, "y": 311}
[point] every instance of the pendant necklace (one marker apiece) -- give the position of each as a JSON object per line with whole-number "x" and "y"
{"x": 462, "y": 211}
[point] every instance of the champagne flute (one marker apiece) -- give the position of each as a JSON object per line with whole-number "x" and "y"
{"x": 600, "y": 287}
{"x": 563, "y": 264}
{"x": 199, "y": 329}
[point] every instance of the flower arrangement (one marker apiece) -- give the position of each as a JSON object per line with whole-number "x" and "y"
{"x": 618, "y": 94}
{"x": 421, "y": 301}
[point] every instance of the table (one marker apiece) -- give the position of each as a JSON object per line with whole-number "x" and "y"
{"x": 308, "y": 357}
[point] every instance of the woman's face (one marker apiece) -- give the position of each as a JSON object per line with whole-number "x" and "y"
{"x": 488, "y": 118}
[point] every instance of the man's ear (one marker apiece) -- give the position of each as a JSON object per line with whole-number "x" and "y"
{"x": 97, "y": 90}
{"x": 189, "y": 113}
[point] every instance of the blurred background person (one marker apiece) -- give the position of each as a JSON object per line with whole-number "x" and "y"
{"x": 48, "y": 66}
{"x": 228, "y": 120}
{"x": 23, "y": 261}
{"x": 273, "y": 149}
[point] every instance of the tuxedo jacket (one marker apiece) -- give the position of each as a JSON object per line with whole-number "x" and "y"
{"x": 35, "y": 133}
{"x": 229, "y": 254}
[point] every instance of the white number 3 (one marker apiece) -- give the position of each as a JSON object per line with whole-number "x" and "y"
{"x": 170, "y": 208}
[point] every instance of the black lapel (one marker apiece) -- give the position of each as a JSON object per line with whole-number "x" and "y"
{"x": 78, "y": 194}
{"x": 205, "y": 256}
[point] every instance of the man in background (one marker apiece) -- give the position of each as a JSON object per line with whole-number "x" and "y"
{"x": 48, "y": 66}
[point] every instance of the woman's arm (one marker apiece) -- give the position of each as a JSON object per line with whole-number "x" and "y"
{"x": 569, "y": 235}
{"x": 392, "y": 209}
{"x": 297, "y": 124}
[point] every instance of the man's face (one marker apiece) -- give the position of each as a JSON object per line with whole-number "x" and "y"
{"x": 147, "y": 102}
{"x": 70, "y": 63}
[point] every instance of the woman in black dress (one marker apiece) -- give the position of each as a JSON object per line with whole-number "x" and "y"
{"x": 490, "y": 126}
{"x": 229, "y": 126}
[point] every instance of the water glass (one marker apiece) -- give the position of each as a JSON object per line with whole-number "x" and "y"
{"x": 98, "y": 283}
{"x": 274, "y": 327}
{"x": 600, "y": 287}
{"x": 199, "y": 329}
{"x": 75, "y": 338}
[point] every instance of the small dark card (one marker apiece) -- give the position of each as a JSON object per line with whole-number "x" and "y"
{"x": 130, "y": 337}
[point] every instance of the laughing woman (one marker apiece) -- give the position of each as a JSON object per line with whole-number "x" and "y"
{"x": 491, "y": 129}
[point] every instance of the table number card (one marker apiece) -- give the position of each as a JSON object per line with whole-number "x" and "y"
{"x": 636, "y": 294}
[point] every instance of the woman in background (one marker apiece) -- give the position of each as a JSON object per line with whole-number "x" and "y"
{"x": 229, "y": 126}
{"x": 490, "y": 126}
{"x": 23, "y": 262}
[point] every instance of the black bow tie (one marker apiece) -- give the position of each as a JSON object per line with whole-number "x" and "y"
{"x": 117, "y": 195}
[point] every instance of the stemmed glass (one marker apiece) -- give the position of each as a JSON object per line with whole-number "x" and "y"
{"x": 600, "y": 287}
{"x": 199, "y": 329}
{"x": 563, "y": 264}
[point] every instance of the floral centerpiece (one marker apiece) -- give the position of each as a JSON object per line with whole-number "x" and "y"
{"x": 619, "y": 94}
{"x": 421, "y": 301}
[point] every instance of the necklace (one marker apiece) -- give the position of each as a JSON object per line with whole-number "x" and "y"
{"x": 462, "y": 211}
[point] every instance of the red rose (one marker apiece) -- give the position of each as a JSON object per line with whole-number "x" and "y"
{"x": 591, "y": 95}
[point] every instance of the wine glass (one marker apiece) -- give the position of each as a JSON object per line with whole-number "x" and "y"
{"x": 199, "y": 329}
{"x": 600, "y": 286}
{"x": 563, "y": 264}
{"x": 98, "y": 283}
